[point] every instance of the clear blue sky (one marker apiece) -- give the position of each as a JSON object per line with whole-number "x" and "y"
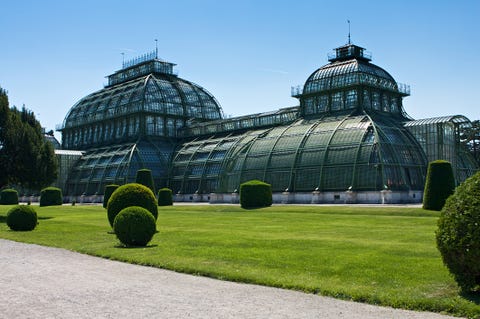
{"x": 246, "y": 53}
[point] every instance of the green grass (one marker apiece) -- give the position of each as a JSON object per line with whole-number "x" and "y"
{"x": 385, "y": 256}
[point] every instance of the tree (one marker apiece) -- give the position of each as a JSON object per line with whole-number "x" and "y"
{"x": 26, "y": 158}
{"x": 471, "y": 138}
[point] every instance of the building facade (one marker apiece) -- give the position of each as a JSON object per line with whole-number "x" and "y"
{"x": 348, "y": 139}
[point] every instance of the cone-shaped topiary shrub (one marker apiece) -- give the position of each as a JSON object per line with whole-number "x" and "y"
{"x": 51, "y": 196}
{"x": 134, "y": 226}
{"x": 144, "y": 177}
{"x": 458, "y": 234}
{"x": 8, "y": 197}
{"x": 165, "y": 197}
{"x": 109, "y": 189}
{"x": 254, "y": 194}
{"x": 22, "y": 217}
{"x": 132, "y": 194}
{"x": 439, "y": 184}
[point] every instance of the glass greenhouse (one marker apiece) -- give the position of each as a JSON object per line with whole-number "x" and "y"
{"x": 348, "y": 139}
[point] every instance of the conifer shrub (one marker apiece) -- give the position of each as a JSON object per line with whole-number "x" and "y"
{"x": 134, "y": 226}
{"x": 144, "y": 177}
{"x": 165, "y": 197}
{"x": 8, "y": 197}
{"x": 109, "y": 189}
{"x": 132, "y": 194}
{"x": 51, "y": 196}
{"x": 458, "y": 234}
{"x": 255, "y": 194}
{"x": 22, "y": 218}
{"x": 440, "y": 184}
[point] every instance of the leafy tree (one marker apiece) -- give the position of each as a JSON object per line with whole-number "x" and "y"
{"x": 471, "y": 138}
{"x": 26, "y": 158}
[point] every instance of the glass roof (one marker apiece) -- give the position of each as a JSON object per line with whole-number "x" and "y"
{"x": 331, "y": 153}
{"x": 456, "y": 119}
{"x": 153, "y": 93}
{"x": 342, "y": 74}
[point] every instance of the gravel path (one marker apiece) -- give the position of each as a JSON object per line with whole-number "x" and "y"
{"x": 43, "y": 282}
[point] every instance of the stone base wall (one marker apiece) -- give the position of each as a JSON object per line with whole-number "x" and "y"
{"x": 348, "y": 197}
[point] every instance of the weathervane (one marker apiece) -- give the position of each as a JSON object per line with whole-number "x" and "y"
{"x": 349, "y": 42}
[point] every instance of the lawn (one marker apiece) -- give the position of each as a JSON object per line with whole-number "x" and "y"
{"x": 379, "y": 255}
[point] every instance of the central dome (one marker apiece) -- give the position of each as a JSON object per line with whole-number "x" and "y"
{"x": 350, "y": 83}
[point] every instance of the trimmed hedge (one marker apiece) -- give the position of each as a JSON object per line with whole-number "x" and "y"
{"x": 132, "y": 194}
{"x": 458, "y": 234}
{"x": 8, "y": 197}
{"x": 165, "y": 197}
{"x": 144, "y": 177}
{"x": 109, "y": 189}
{"x": 134, "y": 226}
{"x": 255, "y": 193}
{"x": 22, "y": 218}
{"x": 51, "y": 196}
{"x": 440, "y": 184}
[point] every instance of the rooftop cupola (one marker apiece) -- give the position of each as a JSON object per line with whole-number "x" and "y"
{"x": 348, "y": 52}
{"x": 140, "y": 66}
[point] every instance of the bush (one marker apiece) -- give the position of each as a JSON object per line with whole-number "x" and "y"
{"x": 439, "y": 184}
{"x": 144, "y": 177}
{"x": 109, "y": 189}
{"x": 165, "y": 197}
{"x": 51, "y": 196}
{"x": 458, "y": 234}
{"x": 254, "y": 194}
{"x": 22, "y": 217}
{"x": 134, "y": 226}
{"x": 8, "y": 197}
{"x": 131, "y": 195}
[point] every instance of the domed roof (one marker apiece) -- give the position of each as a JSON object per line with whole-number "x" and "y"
{"x": 157, "y": 93}
{"x": 344, "y": 73}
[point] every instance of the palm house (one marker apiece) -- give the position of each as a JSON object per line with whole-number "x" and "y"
{"x": 348, "y": 139}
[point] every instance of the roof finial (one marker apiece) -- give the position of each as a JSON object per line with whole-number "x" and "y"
{"x": 349, "y": 42}
{"x": 123, "y": 59}
{"x": 156, "y": 48}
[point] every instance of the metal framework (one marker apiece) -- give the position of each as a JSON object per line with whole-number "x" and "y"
{"x": 349, "y": 132}
{"x": 132, "y": 123}
{"x": 329, "y": 154}
{"x": 440, "y": 139}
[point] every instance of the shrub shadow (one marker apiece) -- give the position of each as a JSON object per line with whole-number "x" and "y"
{"x": 3, "y": 219}
{"x": 473, "y": 296}
{"x": 120, "y": 246}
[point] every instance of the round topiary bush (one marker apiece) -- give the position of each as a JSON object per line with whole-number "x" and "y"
{"x": 22, "y": 217}
{"x": 165, "y": 197}
{"x": 440, "y": 184}
{"x": 134, "y": 226}
{"x": 8, "y": 197}
{"x": 132, "y": 194}
{"x": 255, "y": 194}
{"x": 109, "y": 189}
{"x": 144, "y": 177}
{"x": 458, "y": 234}
{"x": 51, "y": 196}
